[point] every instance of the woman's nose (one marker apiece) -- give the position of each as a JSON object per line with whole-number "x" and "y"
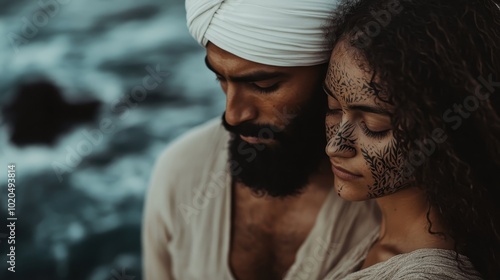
{"x": 343, "y": 141}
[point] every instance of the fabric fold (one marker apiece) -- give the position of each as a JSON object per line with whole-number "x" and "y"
{"x": 278, "y": 32}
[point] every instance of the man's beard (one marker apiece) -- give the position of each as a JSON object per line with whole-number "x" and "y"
{"x": 283, "y": 168}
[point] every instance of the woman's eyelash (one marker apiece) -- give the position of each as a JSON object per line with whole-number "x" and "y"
{"x": 374, "y": 134}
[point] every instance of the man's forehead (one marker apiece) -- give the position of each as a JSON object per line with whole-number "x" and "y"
{"x": 218, "y": 57}
{"x": 237, "y": 69}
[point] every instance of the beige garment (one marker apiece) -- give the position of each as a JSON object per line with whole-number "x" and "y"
{"x": 431, "y": 264}
{"x": 186, "y": 228}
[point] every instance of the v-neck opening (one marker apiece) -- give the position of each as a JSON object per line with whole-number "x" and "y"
{"x": 228, "y": 227}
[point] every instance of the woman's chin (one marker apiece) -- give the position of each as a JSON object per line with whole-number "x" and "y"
{"x": 351, "y": 193}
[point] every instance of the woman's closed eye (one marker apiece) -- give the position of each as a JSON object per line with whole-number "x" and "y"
{"x": 333, "y": 112}
{"x": 375, "y": 129}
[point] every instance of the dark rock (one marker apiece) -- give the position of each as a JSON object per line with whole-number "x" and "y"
{"x": 38, "y": 114}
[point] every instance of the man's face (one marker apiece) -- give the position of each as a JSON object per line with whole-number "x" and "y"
{"x": 361, "y": 146}
{"x": 275, "y": 115}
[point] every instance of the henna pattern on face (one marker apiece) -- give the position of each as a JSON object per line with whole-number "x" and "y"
{"x": 331, "y": 130}
{"x": 344, "y": 139}
{"x": 340, "y": 190}
{"x": 345, "y": 87}
{"x": 386, "y": 167}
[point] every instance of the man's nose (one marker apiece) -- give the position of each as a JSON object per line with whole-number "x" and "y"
{"x": 343, "y": 142}
{"x": 239, "y": 106}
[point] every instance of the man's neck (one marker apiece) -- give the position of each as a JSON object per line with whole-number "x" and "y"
{"x": 279, "y": 224}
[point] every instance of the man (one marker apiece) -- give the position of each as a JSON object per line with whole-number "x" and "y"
{"x": 250, "y": 197}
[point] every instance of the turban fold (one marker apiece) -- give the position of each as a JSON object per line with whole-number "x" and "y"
{"x": 271, "y": 32}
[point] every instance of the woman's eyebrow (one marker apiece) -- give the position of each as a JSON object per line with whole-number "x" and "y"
{"x": 369, "y": 109}
{"x": 359, "y": 107}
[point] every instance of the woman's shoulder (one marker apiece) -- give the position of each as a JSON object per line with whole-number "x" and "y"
{"x": 433, "y": 264}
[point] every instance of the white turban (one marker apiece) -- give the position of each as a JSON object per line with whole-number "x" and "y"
{"x": 271, "y": 32}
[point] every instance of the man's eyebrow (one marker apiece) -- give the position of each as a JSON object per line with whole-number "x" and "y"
{"x": 250, "y": 77}
{"x": 359, "y": 107}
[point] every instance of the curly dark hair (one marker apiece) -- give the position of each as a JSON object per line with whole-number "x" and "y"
{"x": 438, "y": 63}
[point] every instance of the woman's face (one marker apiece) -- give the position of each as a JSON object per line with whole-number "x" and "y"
{"x": 361, "y": 146}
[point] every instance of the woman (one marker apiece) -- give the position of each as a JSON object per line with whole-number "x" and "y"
{"x": 414, "y": 123}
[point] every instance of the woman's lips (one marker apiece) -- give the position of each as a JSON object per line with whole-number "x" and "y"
{"x": 344, "y": 174}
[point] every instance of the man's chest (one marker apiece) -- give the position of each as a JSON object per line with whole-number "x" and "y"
{"x": 264, "y": 244}
{"x": 256, "y": 254}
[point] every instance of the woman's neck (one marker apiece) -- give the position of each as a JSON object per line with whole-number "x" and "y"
{"x": 405, "y": 226}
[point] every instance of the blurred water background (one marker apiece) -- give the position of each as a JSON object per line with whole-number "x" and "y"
{"x": 91, "y": 92}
